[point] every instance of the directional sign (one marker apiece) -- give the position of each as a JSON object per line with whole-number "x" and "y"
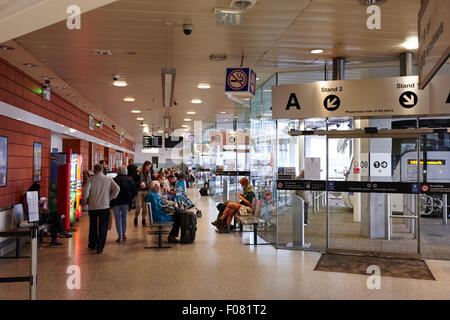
{"x": 332, "y": 102}
{"x": 408, "y": 99}
{"x": 380, "y": 165}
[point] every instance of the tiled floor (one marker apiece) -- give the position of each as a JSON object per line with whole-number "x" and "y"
{"x": 216, "y": 266}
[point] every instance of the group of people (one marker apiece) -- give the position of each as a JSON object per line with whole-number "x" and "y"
{"x": 164, "y": 191}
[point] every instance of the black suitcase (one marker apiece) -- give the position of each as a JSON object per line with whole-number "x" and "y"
{"x": 203, "y": 191}
{"x": 188, "y": 221}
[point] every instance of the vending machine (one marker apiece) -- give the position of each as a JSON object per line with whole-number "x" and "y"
{"x": 75, "y": 192}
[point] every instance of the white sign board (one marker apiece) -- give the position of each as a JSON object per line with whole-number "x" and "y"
{"x": 33, "y": 206}
{"x": 364, "y": 98}
{"x": 312, "y": 168}
{"x": 380, "y": 165}
{"x": 217, "y": 138}
{"x": 434, "y": 38}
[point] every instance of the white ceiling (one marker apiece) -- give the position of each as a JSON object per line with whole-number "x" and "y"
{"x": 277, "y": 36}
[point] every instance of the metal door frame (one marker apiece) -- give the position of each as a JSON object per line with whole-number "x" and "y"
{"x": 368, "y": 133}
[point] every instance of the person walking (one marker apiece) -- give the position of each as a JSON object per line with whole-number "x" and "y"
{"x": 131, "y": 169}
{"x": 98, "y": 193}
{"x": 122, "y": 204}
{"x": 142, "y": 180}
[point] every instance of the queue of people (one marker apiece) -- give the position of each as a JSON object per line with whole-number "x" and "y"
{"x": 164, "y": 191}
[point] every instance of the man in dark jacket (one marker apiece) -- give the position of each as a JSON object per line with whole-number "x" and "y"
{"x": 122, "y": 204}
{"x": 131, "y": 168}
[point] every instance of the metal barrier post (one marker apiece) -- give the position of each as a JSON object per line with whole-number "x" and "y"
{"x": 387, "y": 215}
{"x": 444, "y": 209}
{"x": 33, "y": 264}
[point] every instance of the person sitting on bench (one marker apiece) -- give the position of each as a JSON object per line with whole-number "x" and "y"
{"x": 233, "y": 207}
{"x": 164, "y": 210}
{"x": 54, "y": 218}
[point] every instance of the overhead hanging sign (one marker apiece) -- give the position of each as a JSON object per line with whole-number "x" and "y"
{"x": 241, "y": 81}
{"x": 226, "y": 17}
{"x": 364, "y": 98}
{"x": 434, "y": 38}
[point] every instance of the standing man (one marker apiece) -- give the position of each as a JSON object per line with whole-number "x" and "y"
{"x": 102, "y": 162}
{"x": 131, "y": 168}
{"x": 98, "y": 193}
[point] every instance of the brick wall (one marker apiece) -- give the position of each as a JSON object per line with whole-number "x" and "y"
{"x": 80, "y": 147}
{"x": 19, "y": 90}
{"x": 21, "y": 137}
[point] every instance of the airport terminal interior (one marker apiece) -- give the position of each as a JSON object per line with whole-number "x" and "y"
{"x": 224, "y": 149}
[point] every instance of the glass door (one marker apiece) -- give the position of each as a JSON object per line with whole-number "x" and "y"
{"x": 434, "y": 207}
{"x": 373, "y": 206}
{"x": 301, "y": 187}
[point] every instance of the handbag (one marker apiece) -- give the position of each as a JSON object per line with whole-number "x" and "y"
{"x": 167, "y": 207}
{"x": 245, "y": 211}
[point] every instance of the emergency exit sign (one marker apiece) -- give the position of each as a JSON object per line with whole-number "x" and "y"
{"x": 229, "y": 18}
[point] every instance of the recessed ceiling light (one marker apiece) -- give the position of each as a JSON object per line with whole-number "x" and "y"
{"x": 79, "y": 101}
{"x": 129, "y": 99}
{"x": 187, "y": 119}
{"x": 222, "y": 112}
{"x": 185, "y": 126}
{"x": 257, "y": 78}
{"x": 196, "y": 101}
{"x": 160, "y": 131}
{"x": 246, "y": 99}
{"x": 47, "y": 77}
{"x": 7, "y": 48}
{"x": 267, "y": 90}
{"x": 191, "y": 112}
{"x": 135, "y": 111}
{"x": 316, "y": 51}
{"x": 30, "y": 65}
{"x": 60, "y": 87}
{"x": 140, "y": 119}
{"x": 203, "y": 85}
{"x": 411, "y": 43}
{"x": 120, "y": 83}
{"x": 218, "y": 57}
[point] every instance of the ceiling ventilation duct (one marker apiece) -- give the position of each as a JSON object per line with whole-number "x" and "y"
{"x": 242, "y": 4}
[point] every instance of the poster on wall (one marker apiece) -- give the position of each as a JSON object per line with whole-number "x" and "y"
{"x": 3, "y": 161}
{"x": 37, "y": 162}
{"x": 95, "y": 159}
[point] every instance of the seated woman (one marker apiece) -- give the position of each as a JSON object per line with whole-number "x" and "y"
{"x": 233, "y": 207}
{"x": 159, "y": 214}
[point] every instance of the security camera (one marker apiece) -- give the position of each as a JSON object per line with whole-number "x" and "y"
{"x": 187, "y": 29}
{"x": 116, "y": 77}
{"x": 175, "y": 102}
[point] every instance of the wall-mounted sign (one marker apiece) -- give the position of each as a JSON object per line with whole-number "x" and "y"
{"x": 3, "y": 161}
{"x": 37, "y": 162}
{"x": 364, "y": 98}
{"x": 434, "y": 38}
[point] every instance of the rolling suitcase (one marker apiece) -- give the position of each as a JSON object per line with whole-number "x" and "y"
{"x": 203, "y": 191}
{"x": 188, "y": 221}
